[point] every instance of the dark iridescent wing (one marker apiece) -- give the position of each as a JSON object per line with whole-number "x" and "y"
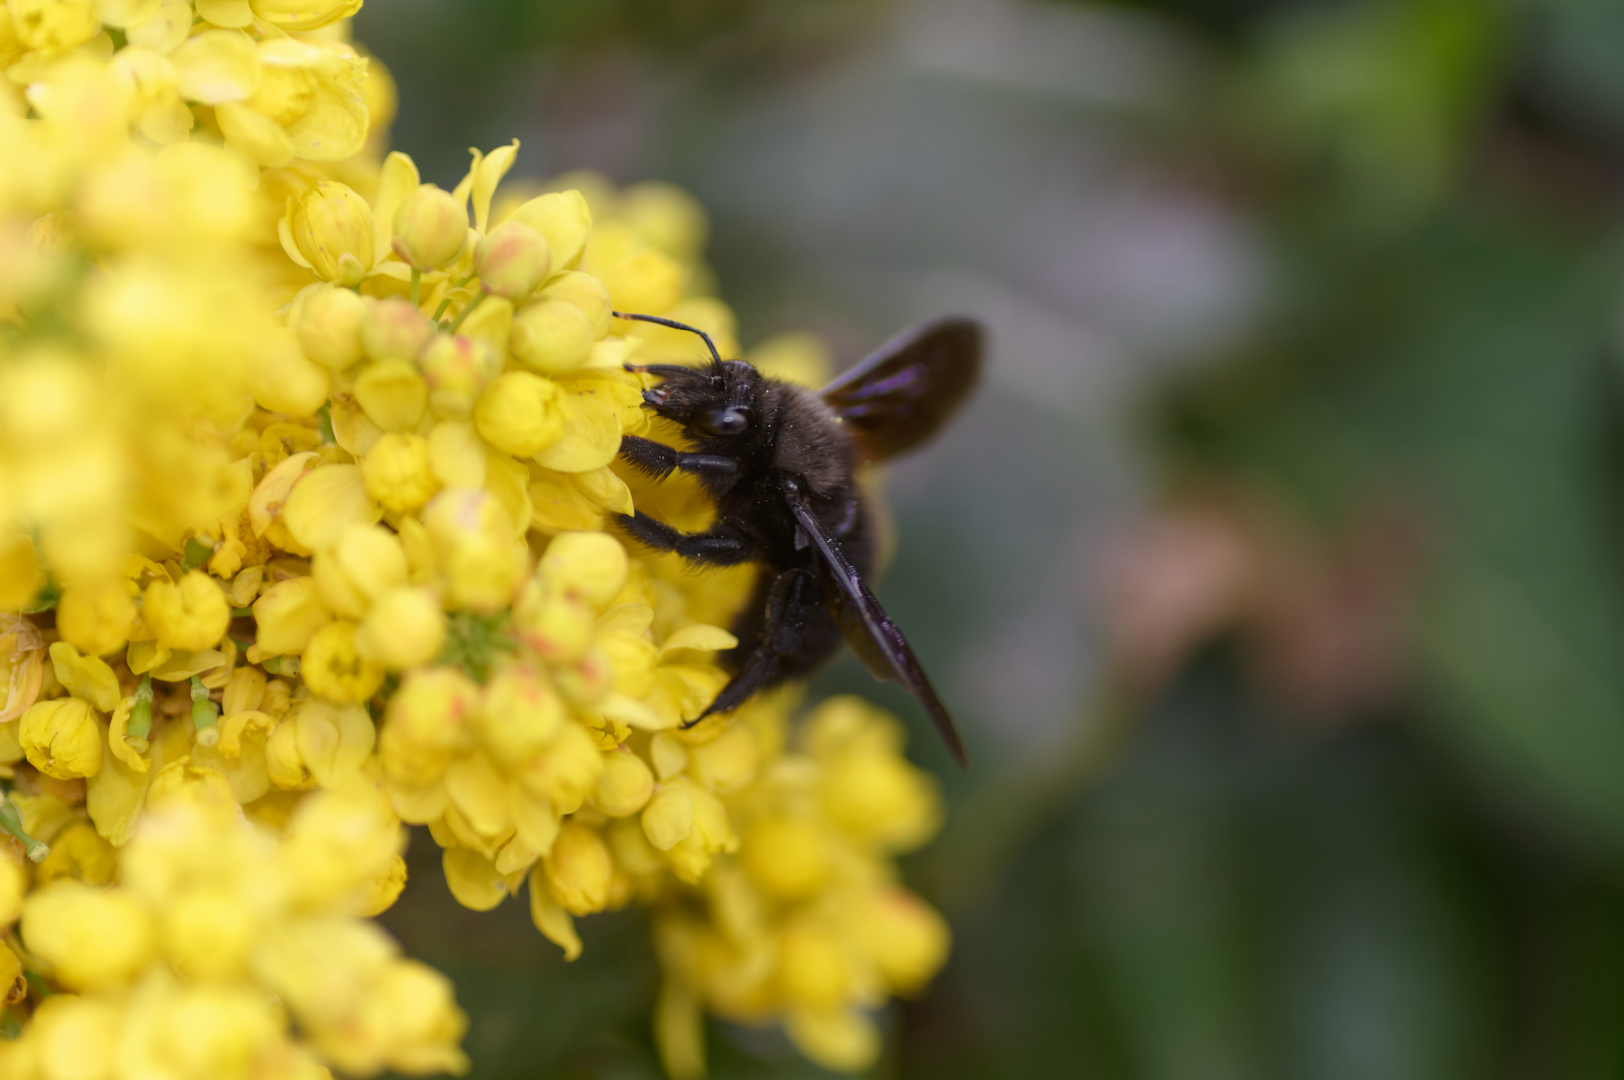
{"x": 897, "y": 397}
{"x": 868, "y": 629}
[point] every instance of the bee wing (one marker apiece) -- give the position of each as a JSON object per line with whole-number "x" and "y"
{"x": 903, "y": 391}
{"x": 868, "y": 629}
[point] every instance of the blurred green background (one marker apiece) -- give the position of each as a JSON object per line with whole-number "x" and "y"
{"x": 1274, "y": 573}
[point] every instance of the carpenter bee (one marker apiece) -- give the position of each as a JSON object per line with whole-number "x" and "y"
{"x": 780, "y": 462}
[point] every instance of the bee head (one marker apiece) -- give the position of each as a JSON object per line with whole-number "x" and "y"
{"x": 717, "y": 401}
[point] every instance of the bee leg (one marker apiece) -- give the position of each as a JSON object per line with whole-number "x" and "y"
{"x": 647, "y": 456}
{"x": 797, "y": 634}
{"x": 720, "y": 545}
{"x": 658, "y": 460}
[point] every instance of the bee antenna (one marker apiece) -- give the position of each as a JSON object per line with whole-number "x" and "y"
{"x": 673, "y": 324}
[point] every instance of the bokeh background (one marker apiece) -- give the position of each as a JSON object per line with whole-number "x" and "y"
{"x": 1274, "y": 573}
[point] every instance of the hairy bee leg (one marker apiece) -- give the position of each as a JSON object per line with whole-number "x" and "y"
{"x": 796, "y": 634}
{"x": 658, "y": 460}
{"x": 720, "y": 545}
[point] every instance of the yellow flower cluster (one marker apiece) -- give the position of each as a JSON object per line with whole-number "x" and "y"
{"x": 168, "y": 972}
{"x": 305, "y": 474}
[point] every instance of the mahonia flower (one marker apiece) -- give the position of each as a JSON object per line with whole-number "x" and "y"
{"x": 306, "y": 475}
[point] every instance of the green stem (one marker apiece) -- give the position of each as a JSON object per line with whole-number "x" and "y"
{"x": 11, "y": 820}
{"x": 140, "y": 725}
{"x": 204, "y": 714}
{"x": 417, "y": 286}
{"x": 472, "y": 304}
{"x": 446, "y": 301}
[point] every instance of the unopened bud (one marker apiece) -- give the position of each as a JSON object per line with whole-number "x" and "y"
{"x": 512, "y": 260}
{"x": 457, "y": 369}
{"x": 329, "y": 229}
{"x": 430, "y": 228}
{"x": 395, "y": 330}
{"x": 669, "y": 817}
{"x": 520, "y": 413}
{"x": 392, "y": 394}
{"x": 585, "y": 292}
{"x": 551, "y": 336}
{"x": 329, "y": 326}
{"x": 405, "y": 627}
{"x": 397, "y": 472}
{"x": 625, "y": 784}
{"x": 579, "y": 870}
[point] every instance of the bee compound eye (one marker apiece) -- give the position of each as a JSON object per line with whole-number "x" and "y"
{"x": 734, "y": 420}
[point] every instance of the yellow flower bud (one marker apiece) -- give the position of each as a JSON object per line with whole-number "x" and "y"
{"x": 472, "y": 878}
{"x": 90, "y": 937}
{"x": 567, "y": 772}
{"x": 283, "y": 765}
{"x": 328, "y": 228}
{"x": 556, "y": 627}
{"x": 78, "y": 852}
{"x": 813, "y": 968}
{"x": 327, "y": 500}
{"x": 906, "y": 937}
{"x": 786, "y": 858}
{"x": 625, "y": 784}
{"x": 711, "y": 833}
{"x": 334, "y": 740}
{"x": 590, "y": 566}
{"x": 207, "y": 934}
{"x": 287, "y": 615}
{"x": 74, "y": 1036}
{"x": 458, "y": 368}
{"x": 428, "y": 720}
{"x": 190, "y": 614}
{"x": 843, "y": 1039}
{"x": 283, "y": 380}
{"x": 393, "y": 394}
{"x": 95, "y": 617}
{"x": 474, "y": 548}
{"x": 669, "y": 816}
{"x": 879, "y": 798}
{"x": 410, "y": 1020}
{"x": 395, "y": 330}
{"x": 366, "y": 561}
{"x": 431, "y": 227}
{"x": 512, "y": 260}
{"x": 585, "y": 292}
{"x": 53, "y": 24}
{"x": 520, "y": 413}
{"x": 385, "y": 890}
{"x": 62, "y": 738}
{"x": 405, "y": 627}
{"x": 579, "y": 869}
{"x": 519, "y": 714}
{"x": 334, "y": 668}
{"x": 564, "y": 218}
{"x": 329, "y": 325}
{"x": 551, "y": 335}
{"x": 398, "y": 473}
{"x": 296, "y": 15}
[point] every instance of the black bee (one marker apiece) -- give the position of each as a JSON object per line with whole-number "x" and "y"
{"x": 781, "y": 462}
